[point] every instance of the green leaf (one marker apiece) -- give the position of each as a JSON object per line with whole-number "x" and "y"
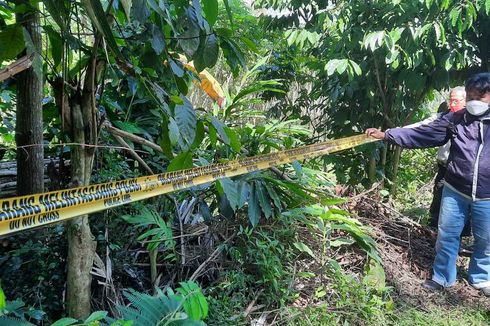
{"x": 207, "y": 54}
{"x": 320, "y": 292}
{"x": 14, "y": 305}
{"x": 96, "y": 316}
{"x": 304, "y": 248}
{"x": 56, "y": 45}
{"x": 139, "y": 11}
{"x": 176, "y": 99}
{"x": 375, "y": 275}
{"x": 374, "y": 40}
{"x": 155, "y": 6}
{"x": 234, "y": 139}
{"x": 275, "y": 198}
{"x": 180, "y": 162}
{"x": 196, "y": 10}
{"x": 454, "y": 16}
{"x": 3, "y": 302}
{"x": 210, "y": 51}
{"x": 471, "y": 11}
{"x": 233, "y": 55}
{"x": 58, "y": 11}
{"x": 165, "y": 143}
{"x": 341, "y": 66}
{"x": 213, "y": 136}
{"x": 199, "y": 135}
{"x": 440, "y": 33}
{"x": 189, "y": 40}
{"x": 228, "y": 12}
{"x": 96, "y": 13}
{"x": 332, "y": 201}
{"x": 341, "y": 242}
{"x": 185, "y": 116}
{"x": 392, "y": 56}
{"x": 356, "y": 67}
{"x": 291, "y": 36}
{"x": 65, "y": 322}
{"x": 230, "y": 189}
{"x": 220, "y": 128}
{"x": 422, "y": 32}
{"x": 195, "y": 304}
{"x": 487, "y": 7}
{"x": 157, "y": 40}
{"x": 253, "y": 206}
{"x": 396, "y": 34}
{"x": 258, "y": 86}
{"x": 36, "y": 314}
{"x": 210, "y": 8}
{"x": 176, "y": 68}
{"x": 250, "y": 44}
{"x": 11, "y": 42}
{"x": 331, "y": 66}
{"x": 263, "y": 200}
{"x": 129, "y": 127}
{"x": 174, "y": 133}
{"x": 244, "y": 192}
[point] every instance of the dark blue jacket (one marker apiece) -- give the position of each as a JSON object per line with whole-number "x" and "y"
{"x": 468, "y": 169}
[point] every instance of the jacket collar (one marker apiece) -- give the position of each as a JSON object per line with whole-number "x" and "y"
{"x": 468, "y": 117}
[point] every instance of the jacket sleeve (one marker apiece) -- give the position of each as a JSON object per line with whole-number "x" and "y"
{"x": 426, "y": 134}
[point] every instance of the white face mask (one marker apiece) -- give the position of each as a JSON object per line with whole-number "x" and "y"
{"x": 476, "y": 107}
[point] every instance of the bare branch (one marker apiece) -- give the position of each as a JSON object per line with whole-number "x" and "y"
{"x": 17, "y": 66}
{"x": 133, "y": 153}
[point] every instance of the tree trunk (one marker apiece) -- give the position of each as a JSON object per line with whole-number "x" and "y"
{"x": 81, "y": 244}
{"x": 29, "y": 118}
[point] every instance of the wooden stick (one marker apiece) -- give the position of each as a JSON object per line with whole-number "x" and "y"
{"x": 121, "y": 133}
{"x": 15, "y": 67}
{"x": 133, "y": 153}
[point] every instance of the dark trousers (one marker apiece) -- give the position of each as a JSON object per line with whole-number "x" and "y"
{"x": 435, "y": 206}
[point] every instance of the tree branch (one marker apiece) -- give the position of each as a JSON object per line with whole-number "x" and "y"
{"x": 133, "y": 153}
{"x": 17, "y": 66}
{"x": 118, "y": 132}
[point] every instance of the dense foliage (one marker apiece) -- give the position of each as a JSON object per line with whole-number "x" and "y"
{"x": 289, "y": 73}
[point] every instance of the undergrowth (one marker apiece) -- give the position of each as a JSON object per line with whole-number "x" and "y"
{"x": 403, "y": 316}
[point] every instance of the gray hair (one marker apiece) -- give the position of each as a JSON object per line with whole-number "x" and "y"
{"x": 458, "y": 89}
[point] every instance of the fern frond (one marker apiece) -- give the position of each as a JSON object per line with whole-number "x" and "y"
{"x": 162, "y": 309}
{"x": 146, "y": 310}
{"x": 146, "y": 303}
{"x": 11, "y": 321}
{"x": 129, "y": 313}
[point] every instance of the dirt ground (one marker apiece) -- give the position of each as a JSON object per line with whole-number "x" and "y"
{"x": 407, "y": 250}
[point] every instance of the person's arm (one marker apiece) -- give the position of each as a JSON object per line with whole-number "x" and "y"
{"x": 430, "y": 134}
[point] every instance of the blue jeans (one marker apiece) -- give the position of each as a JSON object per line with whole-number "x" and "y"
{"x": 455, "y": 211}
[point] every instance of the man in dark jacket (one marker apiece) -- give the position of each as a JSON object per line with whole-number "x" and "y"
{"x": 457, "y": 100}
{"x": 467, "y": 187}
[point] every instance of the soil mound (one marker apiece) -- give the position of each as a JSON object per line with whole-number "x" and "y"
{"x": 407, "y": 250}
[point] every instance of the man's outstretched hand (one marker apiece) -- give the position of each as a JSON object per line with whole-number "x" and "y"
{"x": 375, "y": 133}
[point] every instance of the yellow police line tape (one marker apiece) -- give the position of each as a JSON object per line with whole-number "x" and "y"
{"x": 25, "y": 212}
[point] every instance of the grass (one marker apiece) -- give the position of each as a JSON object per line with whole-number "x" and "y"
{"x": 403, "y": 316}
